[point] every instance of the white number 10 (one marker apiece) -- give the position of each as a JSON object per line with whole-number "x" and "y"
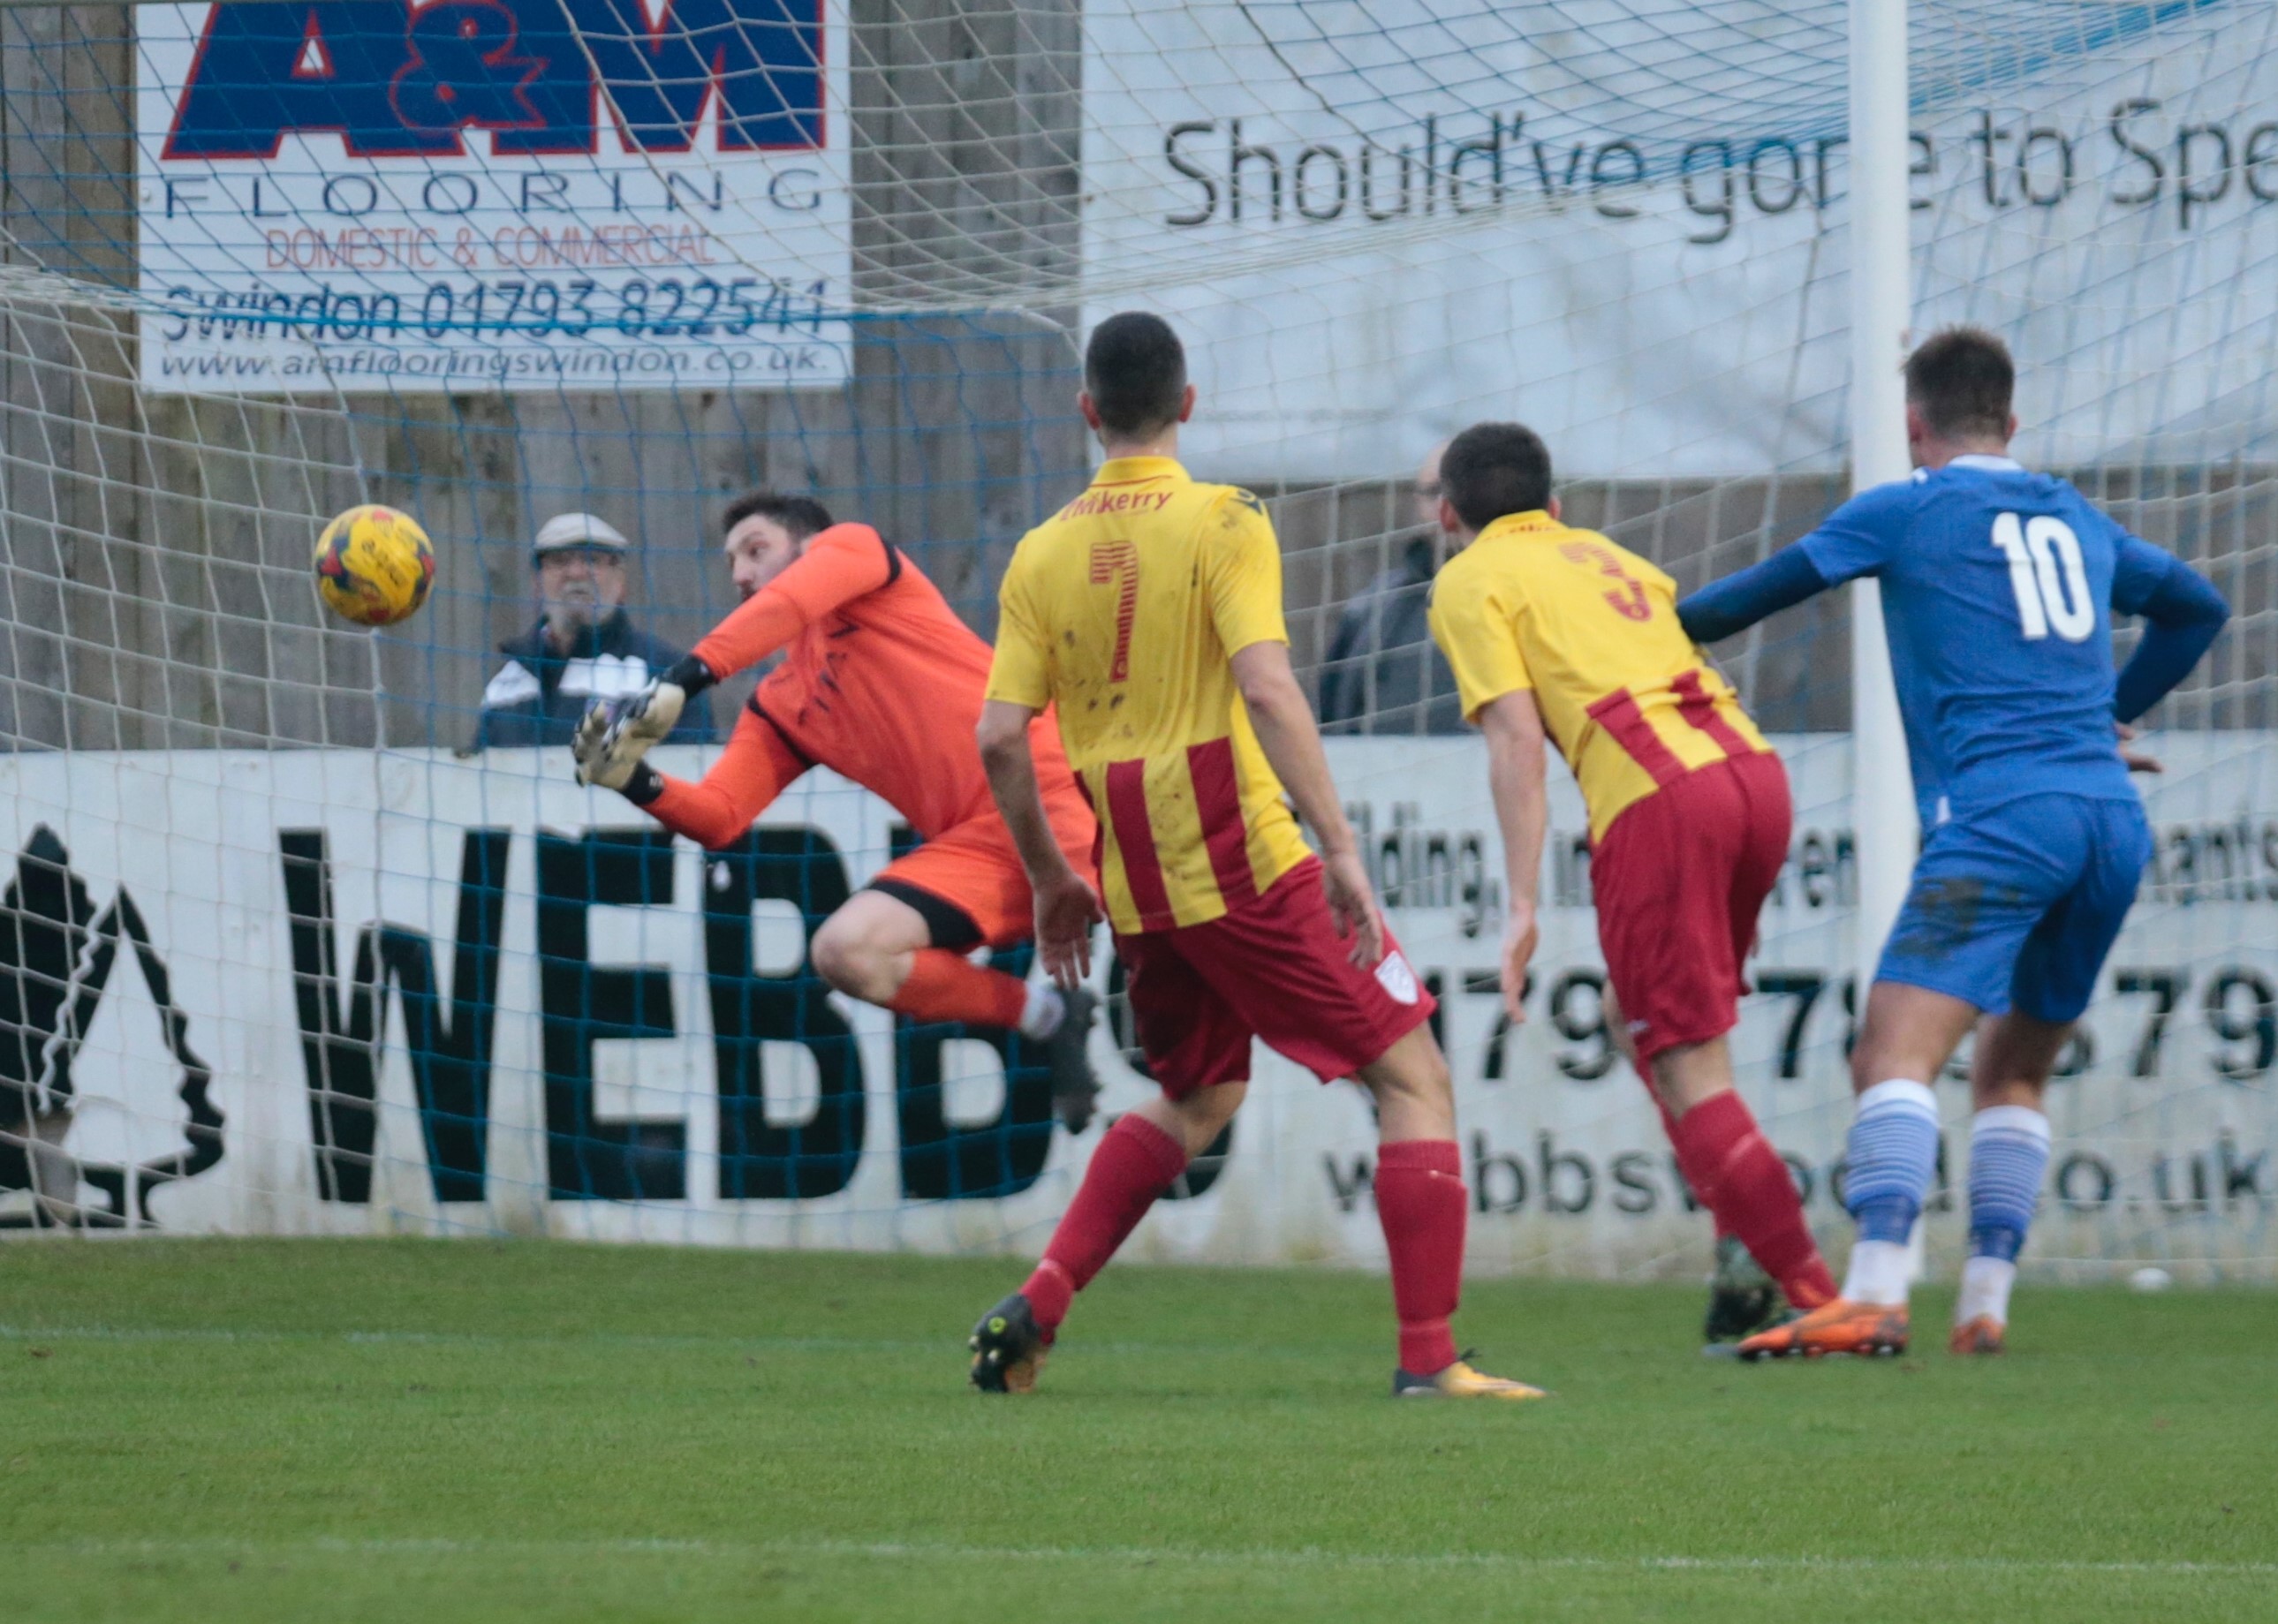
{"x": 2051, "y": 582}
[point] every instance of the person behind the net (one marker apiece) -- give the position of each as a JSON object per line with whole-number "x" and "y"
{"x": 584, "y": 646}
{"x": 1148, "y": 611}
{"x": 1999, "y": 587}
{"x": 1558, "y": 634}
{"x": 881, "y": 683}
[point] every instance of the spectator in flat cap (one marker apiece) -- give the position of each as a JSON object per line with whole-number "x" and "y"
{"x": 583, "y": 648}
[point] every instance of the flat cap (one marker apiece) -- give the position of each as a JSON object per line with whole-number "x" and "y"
{"x": 565, "y": 531}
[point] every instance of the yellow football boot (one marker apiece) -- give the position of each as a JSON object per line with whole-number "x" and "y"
{"x": 1460, "y": 1381}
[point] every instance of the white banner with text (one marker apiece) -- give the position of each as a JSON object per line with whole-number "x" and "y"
{"x": 339, "y": 992}
{"x": 1377, "y": 221}
{"x": 358, "y": 195}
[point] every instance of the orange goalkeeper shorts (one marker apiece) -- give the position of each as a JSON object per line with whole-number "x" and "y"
{"x": 972, "y": 869}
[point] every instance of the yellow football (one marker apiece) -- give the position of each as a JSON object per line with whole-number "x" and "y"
{"x": 374, "y": 566}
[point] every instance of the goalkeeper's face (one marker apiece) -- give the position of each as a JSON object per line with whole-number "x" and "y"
{"x": 759, "y": 549}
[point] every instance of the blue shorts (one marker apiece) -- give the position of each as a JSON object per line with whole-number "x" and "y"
{"x": 2018, "y": 905}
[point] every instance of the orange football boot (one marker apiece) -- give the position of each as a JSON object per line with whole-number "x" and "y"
{"x": 1837, "y": 1327}
{"x": 1982, "y": 1334}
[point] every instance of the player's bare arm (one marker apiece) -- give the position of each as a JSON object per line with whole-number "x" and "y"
{"x": 1684, "y": 851}
{"x": 1148, "y": 611}
{"x": 1518, "y": 771}
{"x": 1066, "y": 906}
{"x": 1292, "y": 744}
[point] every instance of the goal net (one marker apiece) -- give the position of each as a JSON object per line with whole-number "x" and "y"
{"x": 308, "y": 929}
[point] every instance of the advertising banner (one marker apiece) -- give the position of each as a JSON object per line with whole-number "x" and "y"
{"x": 466, "y": 194}
{"x": 339, "y": 992}
{"x": 1377, "y": 221}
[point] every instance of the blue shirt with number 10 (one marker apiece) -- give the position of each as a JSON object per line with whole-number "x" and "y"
{"x": 1999, "y": 587}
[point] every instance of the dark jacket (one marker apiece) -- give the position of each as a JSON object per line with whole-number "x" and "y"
{"x": 538, "y": 694}
{"x": 1384, "y": 673}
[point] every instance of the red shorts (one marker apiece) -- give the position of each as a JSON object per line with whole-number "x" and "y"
{"x": 1679, "y": 880}
{"x": 1275, "y": 968}
{"x": 973, "y": 868}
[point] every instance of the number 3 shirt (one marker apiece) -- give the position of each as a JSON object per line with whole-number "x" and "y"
{"x": 1124, "y": 608}
{"x": 1997, "y": 589}
{"x": 1591, "y": 629}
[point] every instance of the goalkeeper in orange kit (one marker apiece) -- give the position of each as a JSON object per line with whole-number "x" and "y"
{"x": 881, "y": 683}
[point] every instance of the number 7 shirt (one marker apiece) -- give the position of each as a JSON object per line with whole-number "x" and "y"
{"x": 1124, "y": 609}
{"x": 1591, "y": 629}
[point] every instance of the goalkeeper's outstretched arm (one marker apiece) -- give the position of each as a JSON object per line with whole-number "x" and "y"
{"x": 757, "y": 766}
{"x": 837, "y": 566}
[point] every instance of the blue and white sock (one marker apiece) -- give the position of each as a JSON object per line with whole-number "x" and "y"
{"x": 2008, "y": 1157}
{"x": 1893, "y": 1158}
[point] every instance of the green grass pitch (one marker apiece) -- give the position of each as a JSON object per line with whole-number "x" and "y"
{"x": 348, "y": 1430}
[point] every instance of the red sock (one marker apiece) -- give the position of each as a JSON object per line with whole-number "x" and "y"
{"x": 1421, "y": 1201}
{"x": 1736, "y": 1170}
{"x": 1668, "y": 1127}
{"x": 1135, "y": 1163}
{"x": 942, "y": 986}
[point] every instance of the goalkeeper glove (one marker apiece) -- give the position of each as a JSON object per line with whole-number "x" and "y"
{"x": 615, "y": 734}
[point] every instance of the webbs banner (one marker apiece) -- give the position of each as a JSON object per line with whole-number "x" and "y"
{"x": 337, "y": 992}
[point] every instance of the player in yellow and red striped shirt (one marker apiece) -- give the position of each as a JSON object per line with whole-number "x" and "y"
{"x": 1558, "y": 632}
{"x": 1149, "y": 612}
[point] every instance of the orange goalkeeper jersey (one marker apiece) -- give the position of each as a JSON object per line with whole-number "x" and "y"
{"x": 1591, "y": 629}
{"x": 880, "y": 681}
{"x": 1124, "y": 608}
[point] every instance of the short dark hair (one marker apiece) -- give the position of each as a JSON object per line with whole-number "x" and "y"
{"x": 1134, "y": 369}
{"x": 802, "y": 516}
{"x": 1495, "y": 469}
{"x": 1962, "y": 380}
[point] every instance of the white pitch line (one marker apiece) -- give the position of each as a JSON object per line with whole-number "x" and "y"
{"x": 755, "y": 1342}
{"x": 1143, "y": 1555}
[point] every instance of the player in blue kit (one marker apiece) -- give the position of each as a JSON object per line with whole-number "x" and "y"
{"x": 1999, "y": 588}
